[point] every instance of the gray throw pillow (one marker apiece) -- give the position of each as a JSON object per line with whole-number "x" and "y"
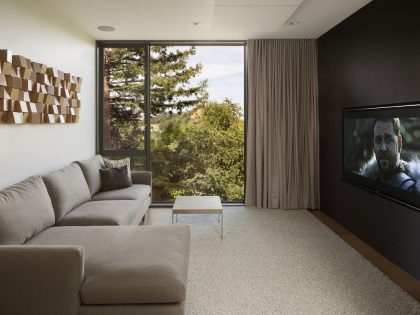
{"x": 119, "y": 163}
{"x": 114, "y": 178}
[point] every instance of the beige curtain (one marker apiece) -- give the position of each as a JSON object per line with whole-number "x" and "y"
{"x": 282, "y": 168}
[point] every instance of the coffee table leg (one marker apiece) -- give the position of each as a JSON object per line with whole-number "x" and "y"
{"x": 221, "y": 224}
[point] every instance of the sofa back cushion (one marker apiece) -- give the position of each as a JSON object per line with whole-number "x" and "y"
{"x": 67, "y": 188}
{"x": 90, "y": 169}
{"x": 25, "y": 210}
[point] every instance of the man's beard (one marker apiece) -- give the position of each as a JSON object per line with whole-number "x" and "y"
{"x": 386, "y": 165}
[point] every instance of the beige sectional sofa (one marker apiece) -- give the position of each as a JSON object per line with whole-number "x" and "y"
{"x": 67, "y": 248}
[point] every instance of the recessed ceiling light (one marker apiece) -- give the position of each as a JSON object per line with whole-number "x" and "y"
{"x": 106, "y": 28}
{"x": 196, "y": 23}
{"x": 294, "y": 23}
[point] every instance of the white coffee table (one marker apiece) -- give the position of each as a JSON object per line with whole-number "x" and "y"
{"x": 198, "y": 205}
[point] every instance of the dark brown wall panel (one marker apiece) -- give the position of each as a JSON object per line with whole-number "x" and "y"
{"x": 371, "y": 58}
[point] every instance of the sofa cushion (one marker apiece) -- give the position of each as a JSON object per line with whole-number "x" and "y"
{"x": 108, "y": 212}
{"x": 128, "y": 264}
{"x": 67, "y": 188}
{"x": 90, "y": 169}
{"x": 134, "y": 192}
{"x": 25, "y": 210}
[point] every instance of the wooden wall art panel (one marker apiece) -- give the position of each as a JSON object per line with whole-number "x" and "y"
{"x": 31, "y": 92}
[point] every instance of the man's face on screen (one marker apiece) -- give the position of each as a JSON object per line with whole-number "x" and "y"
{"x": 387, "y": 147}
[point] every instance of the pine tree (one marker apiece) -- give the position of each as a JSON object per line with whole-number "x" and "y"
{"x": 124, "y": 90}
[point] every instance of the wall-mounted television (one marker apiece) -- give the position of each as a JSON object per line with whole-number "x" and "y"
{"x": 381, "y": 151}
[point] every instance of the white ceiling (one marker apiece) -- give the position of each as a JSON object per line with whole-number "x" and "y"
{"x": 219, "y": 19}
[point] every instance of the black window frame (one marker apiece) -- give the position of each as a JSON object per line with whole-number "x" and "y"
{"x": 146, "y": 153}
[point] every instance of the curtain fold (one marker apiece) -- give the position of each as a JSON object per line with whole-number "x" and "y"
{"x": 282, "y": 169}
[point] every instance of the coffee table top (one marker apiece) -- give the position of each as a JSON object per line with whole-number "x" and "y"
{"x": 197, "y": 203}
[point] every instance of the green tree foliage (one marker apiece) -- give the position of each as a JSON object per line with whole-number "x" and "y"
{"x": 124, "y": 99}
{"x": 200, "y": 152}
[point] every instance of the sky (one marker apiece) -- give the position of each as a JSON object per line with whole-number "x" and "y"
{"x": 223, "y": 66}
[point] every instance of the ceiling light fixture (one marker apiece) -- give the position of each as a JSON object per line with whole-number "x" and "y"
{"x": 106, "y": 28}
{"x": 294, "y": 23}
{"x": 196, "y": 23}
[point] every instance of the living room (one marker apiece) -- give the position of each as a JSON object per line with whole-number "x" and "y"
{"x": 262, "y": 104}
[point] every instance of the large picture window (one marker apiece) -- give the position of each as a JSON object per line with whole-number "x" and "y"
{"x": 177, "y": 109}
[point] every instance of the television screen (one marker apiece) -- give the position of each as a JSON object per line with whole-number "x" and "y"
{"x": 382, "y": 150}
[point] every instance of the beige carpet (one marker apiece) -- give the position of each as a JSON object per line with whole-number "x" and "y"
{"x": 280, "y": 262}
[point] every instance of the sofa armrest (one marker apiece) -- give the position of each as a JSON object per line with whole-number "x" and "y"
{"x": 40, "y": 279}
{"x": 141, "y": 177}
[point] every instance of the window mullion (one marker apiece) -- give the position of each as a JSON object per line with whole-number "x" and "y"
{"x": 147, "y": 108}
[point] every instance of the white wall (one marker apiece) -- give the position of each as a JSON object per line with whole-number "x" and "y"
{"x": 30, "y": 29}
